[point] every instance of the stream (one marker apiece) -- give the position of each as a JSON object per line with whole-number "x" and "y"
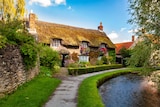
{"x": 128, "y": 90}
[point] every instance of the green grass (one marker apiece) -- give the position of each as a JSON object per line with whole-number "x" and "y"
{"x": 33, "y": 93}
{"x": 88, "y": 95}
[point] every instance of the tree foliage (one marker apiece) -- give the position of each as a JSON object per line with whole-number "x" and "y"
{"x": 146, "y": 15}
{"x": 140, "y": 55}
{"x": 12, "y": 9}
{"x": 125, "y": 52}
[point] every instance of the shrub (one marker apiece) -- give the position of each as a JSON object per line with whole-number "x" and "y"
{"x": 29, "y": 54}
{"x": 75, "y": 57}
{"x": 90, "y": 69}
{"x": 104, "y": 60}
{"x": 49, "y": 57}
{"x": 99, "y": 62}
{"x": 84, "y": 64}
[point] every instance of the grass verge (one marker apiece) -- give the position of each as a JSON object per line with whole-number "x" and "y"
{"x": 88, "y": 95}
{"x": 33, "y": 93}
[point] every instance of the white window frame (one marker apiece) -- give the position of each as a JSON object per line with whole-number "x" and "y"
{"x": 56, "y": 42}
{"x": 83, "y": 58}
{"x": 103, "y": 45}
{"x": 84, "y": 44}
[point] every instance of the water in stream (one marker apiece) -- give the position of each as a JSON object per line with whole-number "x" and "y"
{"x": 128, "y": 91}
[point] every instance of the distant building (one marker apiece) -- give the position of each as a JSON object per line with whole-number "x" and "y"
{"x": 68, "y": 40}
{"x": 119, "y": 46}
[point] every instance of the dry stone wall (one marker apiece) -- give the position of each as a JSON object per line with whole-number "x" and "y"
{"x": 12, "y": 72}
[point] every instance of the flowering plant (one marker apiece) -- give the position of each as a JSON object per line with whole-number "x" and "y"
{"x": 102, "y": 51}
{"x": 84, "y": 51}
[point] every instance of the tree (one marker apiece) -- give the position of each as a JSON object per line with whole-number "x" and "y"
{"x": 140, "y": 55}
{"x": 20, "y": 9}
{"x": 125, "y": 52}
{"x": 12, "y": 9}
{"x": 145, "y": 14}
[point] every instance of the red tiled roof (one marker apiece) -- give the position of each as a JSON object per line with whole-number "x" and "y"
{"x": 126, "y": 45}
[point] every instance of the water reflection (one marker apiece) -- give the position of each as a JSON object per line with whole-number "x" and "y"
{"x": 127, "y": 91}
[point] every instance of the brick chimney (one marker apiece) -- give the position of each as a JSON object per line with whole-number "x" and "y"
{"x": 32, "y": 25}
{"x": 32, "y": 21}
{"x": 100, "y": 27}
{"x": 133, "y": 38}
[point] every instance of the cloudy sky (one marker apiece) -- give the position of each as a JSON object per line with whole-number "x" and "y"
{"x": 86, "y": 14}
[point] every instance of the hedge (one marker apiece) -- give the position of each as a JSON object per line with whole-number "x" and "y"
{"x": 90, "y": 69}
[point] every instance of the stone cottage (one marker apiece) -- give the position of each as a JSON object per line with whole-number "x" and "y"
{"x": 68, "y": 40}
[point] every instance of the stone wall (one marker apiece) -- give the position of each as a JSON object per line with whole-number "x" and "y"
{"x": 12, "y": 72}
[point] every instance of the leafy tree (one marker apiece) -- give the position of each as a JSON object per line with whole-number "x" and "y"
{"x": 145, "y": 14}
{"x": 20, "y": 9}
{"x": 125, "y": 52}
{"x": 140, "y": 55}
{"x": 12, "y": 9}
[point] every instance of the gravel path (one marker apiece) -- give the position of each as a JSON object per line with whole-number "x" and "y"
{"x": 66, "y": 94}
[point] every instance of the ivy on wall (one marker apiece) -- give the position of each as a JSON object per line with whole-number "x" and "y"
{"x": 112, "y": 53}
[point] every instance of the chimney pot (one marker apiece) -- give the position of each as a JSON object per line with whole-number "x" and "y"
{"x": 100, "y": 27}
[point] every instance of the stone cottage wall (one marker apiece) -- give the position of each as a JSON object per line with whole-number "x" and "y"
{"x": 12, "y": 72}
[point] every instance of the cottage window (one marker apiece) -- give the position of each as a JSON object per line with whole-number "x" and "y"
{"x": 56, "y": 43}
{"x": 103, "y": 46}
{"x": 84, "y": 44}
{"x": 83, "y": 58}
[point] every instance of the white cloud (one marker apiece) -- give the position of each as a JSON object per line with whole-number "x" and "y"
{"x": 122, "y": 29}
{"x": 133, "y": 31}
{"x": 126, "y": 41}
{"x": 46, "y": 3}
{"x": 59, "y": 2}
{"x": 43, "y": 3}
{"x": 113, "y": 35}
{"x": 69, "y": 8}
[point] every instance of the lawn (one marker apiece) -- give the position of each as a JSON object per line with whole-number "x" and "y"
{"x": 33, "y": 93}
{"x": 88, "y": 95}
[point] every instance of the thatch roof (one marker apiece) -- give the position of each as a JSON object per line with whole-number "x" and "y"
{"x": 72, "y": 36}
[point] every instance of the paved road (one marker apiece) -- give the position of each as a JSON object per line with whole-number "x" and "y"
{"x": 66, "y": 94}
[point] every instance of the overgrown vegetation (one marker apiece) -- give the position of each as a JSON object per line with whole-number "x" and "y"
{"x": 88, "y": 95}
{"x": 13, "y": 33}
{"x": 49, "y": 58}
{"x": 112, "y": 58}
{"x": 34, "y": 93}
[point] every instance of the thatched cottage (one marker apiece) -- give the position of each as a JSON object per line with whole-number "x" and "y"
{"x": 68, "y": 40}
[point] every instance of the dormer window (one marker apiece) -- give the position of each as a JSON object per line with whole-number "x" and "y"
{"x": 84, "y": 44}
{"x": 103, "y": 45}
{"x": 56, "y": 42}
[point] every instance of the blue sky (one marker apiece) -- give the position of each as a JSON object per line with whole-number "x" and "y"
{"x": 86, "y": 14}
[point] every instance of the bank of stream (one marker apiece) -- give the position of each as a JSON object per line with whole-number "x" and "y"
{"x": 128, "y": 90}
